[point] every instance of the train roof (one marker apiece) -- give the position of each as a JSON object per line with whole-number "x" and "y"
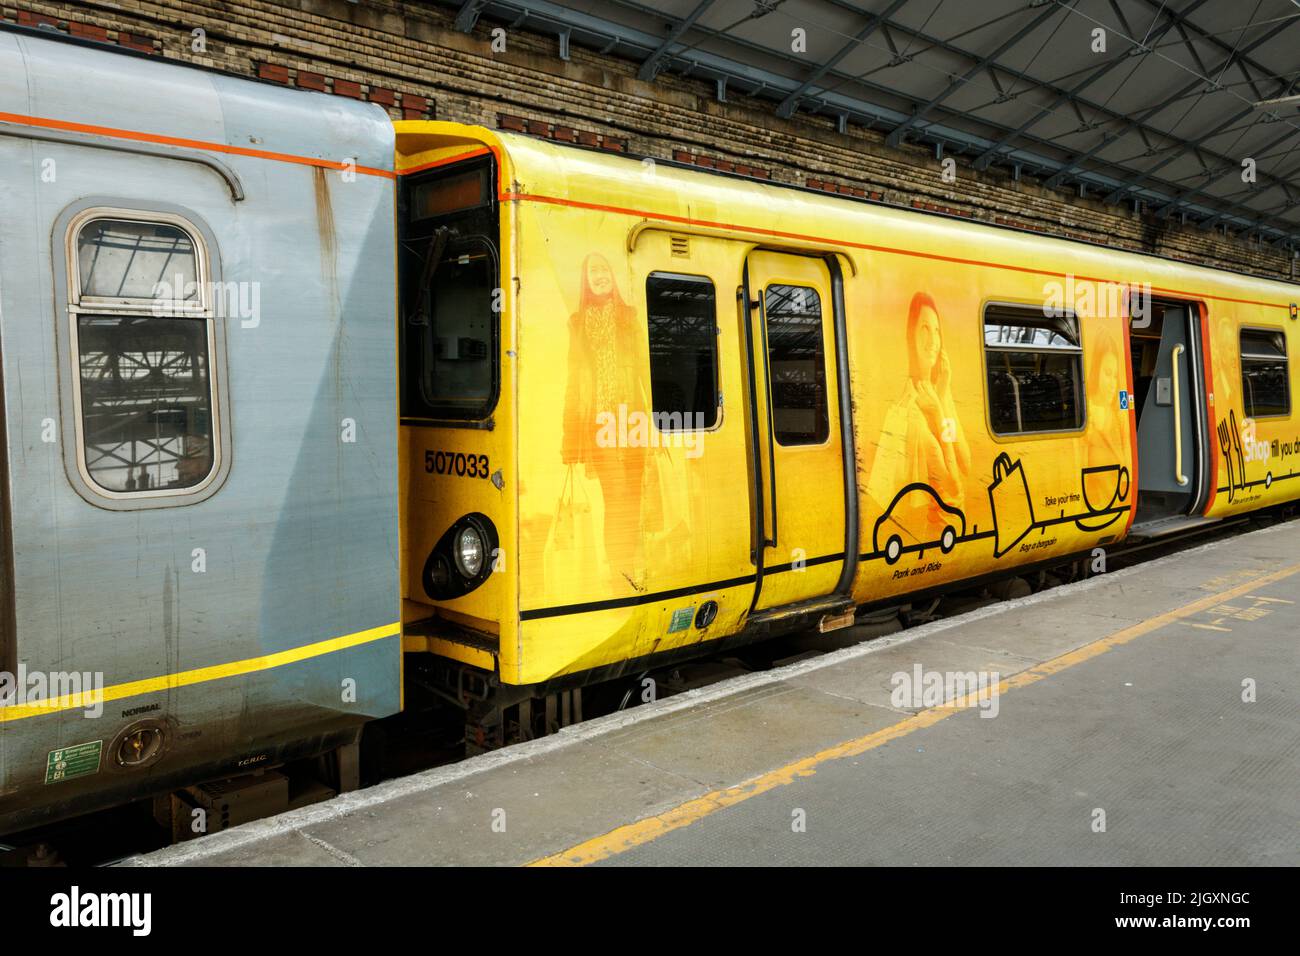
{"x": 68, "y": 88}
{"x": 691, "y": 198}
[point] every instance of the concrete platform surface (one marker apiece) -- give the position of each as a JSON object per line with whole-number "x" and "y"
{"x": 1150, "y": 716}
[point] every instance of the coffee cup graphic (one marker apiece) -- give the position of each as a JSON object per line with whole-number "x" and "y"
{"x": 1103, "y": 487}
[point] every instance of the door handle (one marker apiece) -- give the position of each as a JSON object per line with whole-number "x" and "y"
{"x": 759, "y": 303}
{"x": 1178, "y": 418}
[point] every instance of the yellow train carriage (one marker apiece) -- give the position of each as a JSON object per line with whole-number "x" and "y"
{"x": 648, "y": 410}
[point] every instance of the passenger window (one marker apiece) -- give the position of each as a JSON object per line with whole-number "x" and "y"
{"x": 1035, "y": 370}
{"x": 682, "y": 314}
{"x": 141, "y": 327}
{"x": 122, "y": 260}
{"x": 1265, "y": 378}
{"x": 796, "y": 362}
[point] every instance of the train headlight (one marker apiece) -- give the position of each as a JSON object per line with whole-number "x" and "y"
{"x": 471, "y": 551}
{"x": 463, "y": 558}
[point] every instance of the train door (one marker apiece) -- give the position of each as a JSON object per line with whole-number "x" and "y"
{"x": 1169, "y": 401}
{"x": 794, "y": 302}
{"x": 695, "y": 516}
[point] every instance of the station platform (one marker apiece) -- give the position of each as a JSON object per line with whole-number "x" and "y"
{"x": 1149, "y": 716}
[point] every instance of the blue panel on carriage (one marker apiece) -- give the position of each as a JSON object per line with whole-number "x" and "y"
{"x": 298, "y": 544}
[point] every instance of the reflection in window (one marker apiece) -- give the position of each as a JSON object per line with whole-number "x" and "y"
{"x": 125, "y": 259}
{"x": 146, "y": 410}
{"x": 450, "y": 193}
{"x": 682, "y": 314}
{"x": 1035, "y": 370}
{"x": 143, "y": 372}
{"x": 796, "y": 364}
{"x": 1265, "y": 382}
{"x": 460, "y": 350}
{"x": 1029, "y": 336}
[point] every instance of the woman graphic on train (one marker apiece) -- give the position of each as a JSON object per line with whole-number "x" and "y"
{"x": 922, "y": 439}
{"x": 605, "y": 359}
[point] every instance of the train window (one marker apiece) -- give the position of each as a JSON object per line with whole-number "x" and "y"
{"x": 682, "y": 314}
{"x": 141, "y": 326}
{"x": 460, "y": 350}
{"x": 796, "y": 362}
{"x": 449, "y": 271}
{"x": 124, "y": 261}
{"x": 1035, "y": 370}
{"x": 444, "y": 195}
{"x": 1265, "y": 378}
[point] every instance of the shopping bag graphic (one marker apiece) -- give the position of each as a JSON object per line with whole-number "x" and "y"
{"x": 572, "y": 542}
{"x": 1013, "y": 511}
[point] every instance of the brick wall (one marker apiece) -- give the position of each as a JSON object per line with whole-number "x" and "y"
{"x": 408, "y": 58}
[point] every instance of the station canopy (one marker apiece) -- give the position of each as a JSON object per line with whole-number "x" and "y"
{"x": 1186, "y": 109}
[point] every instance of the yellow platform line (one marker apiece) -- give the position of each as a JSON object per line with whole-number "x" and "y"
{"x": 644, "y": 831}
{"x": 197, "y": 676}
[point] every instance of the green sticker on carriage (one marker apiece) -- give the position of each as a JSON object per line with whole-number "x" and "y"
{"x": 78, "y": 760}
{"x": 682, "y": 618}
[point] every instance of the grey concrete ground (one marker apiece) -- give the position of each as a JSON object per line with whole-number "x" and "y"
{"x": 1151, "y": 737}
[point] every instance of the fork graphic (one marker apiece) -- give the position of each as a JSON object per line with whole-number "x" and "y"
{"x": 1235, "y": 432}
{"x": 1225, "y": 443}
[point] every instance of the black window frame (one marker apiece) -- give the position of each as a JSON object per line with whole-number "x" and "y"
{"x": 1043, "y": 320}
{"x": 465, "y": 227}
{"x": 717, "y": 358}
{"x": 1243, "y": 358}
{"x": 825, "y": 410}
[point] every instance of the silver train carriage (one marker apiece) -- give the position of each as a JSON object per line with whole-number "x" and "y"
{"x": 199, "y": 541}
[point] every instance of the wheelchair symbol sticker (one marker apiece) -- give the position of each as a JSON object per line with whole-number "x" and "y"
{"x": 1123, "y": 399}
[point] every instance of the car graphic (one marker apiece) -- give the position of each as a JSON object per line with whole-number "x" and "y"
{"x": 893, "y": 528}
